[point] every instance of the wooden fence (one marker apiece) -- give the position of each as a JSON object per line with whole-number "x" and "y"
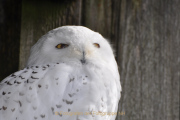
{"x": 145, "y": 35}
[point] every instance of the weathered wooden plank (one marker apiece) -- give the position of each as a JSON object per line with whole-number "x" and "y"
{"x": 148, "y": 56}
{"x": 96, "y": 15}
{"x": 39, "y": 17}
{"x": 10, "y": 15}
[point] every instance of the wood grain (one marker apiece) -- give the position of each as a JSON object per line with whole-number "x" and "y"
{"x": 10, "y": 21}
{"x": 148, "y": 56}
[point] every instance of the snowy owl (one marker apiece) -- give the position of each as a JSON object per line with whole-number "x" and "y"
{"x": 71, "y": 74}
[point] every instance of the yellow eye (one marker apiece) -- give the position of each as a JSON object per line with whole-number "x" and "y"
{"x": 61, "y": 46}
{"x": 97, "y": 45}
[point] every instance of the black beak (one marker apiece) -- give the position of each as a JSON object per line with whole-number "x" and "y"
{"x": 83, "y": 60}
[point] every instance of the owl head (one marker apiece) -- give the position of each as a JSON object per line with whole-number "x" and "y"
{"x": 71, "y": 45}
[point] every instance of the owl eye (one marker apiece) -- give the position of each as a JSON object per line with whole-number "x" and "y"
{"x": 97, "y": 45}
{"x": 61, "y": 46}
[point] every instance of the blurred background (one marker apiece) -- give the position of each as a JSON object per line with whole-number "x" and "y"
{"x": 144, "y": 33}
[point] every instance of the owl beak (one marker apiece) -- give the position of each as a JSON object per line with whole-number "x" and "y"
{"x": 83, "y": 60}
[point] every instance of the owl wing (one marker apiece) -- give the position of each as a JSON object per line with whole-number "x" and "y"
{"x": 27, "y": 94}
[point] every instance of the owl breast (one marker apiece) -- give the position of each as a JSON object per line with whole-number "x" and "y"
{"x": 90, "y": 91}
{"x": 59, "y": 91}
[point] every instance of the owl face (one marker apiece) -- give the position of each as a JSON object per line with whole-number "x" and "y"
{"x": 71, "y": 44}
